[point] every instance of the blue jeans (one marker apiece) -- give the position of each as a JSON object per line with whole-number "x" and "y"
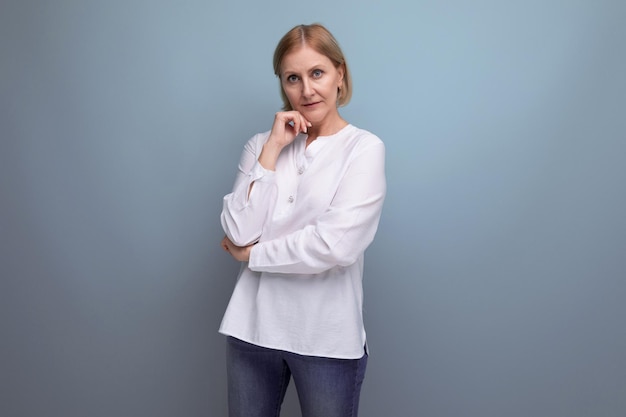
{"x": 258, "y": 379}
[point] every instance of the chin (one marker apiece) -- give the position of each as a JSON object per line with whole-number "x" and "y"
{"x": 312, "y": 114}
{"x": 312, "y": 118}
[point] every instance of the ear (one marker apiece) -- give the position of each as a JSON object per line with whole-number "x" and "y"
{"x": 341, "y": 69}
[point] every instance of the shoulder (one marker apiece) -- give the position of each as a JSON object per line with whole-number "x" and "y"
{"x": 361, "y": 135}
{"x": 361, "y": 138}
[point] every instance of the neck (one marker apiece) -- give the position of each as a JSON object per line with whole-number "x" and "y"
{"x": 326, "y": 129}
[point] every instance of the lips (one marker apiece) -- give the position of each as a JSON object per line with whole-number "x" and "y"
{"x": 309, "y": 105}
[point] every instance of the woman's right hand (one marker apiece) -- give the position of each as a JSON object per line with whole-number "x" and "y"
{"x": 287, "y": 125}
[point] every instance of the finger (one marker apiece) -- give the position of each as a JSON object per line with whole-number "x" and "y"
{"x": 293, "y": 124}
{"x": 224, "y": 243}
{"x": 281, "y": 121}
{"x": 304, "y": 122}
{"x": 291, "y": 121}
{"x": 300, "y": 123}
{"x": 297, "y": 125}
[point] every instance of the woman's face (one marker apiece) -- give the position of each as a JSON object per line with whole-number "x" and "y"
{"x": 310, "y": 82}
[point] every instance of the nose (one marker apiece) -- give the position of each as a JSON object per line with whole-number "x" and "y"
{"x": 307, "y": 88}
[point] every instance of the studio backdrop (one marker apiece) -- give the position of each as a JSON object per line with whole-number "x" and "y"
{"x": 496, "y": 285}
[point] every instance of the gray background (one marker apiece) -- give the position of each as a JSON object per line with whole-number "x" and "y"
{"x": 497, "y": 283}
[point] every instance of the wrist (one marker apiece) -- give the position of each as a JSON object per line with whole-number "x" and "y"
{"x": 273, "y": 145}
{"x": 249, "y": 252}
{"x": 269, "y": 155}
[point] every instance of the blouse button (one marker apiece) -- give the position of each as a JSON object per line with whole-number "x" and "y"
{"x": 300, "y": 171}
{"x": 290, "y": 199}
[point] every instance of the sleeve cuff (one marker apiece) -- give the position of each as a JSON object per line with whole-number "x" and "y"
{"x": 258, "y": 173}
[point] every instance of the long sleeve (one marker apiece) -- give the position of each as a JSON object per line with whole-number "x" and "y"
{"x": 245, "y": 211}
{"x": 340, "y": 235}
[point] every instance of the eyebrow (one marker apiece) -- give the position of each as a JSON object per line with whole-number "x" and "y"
{"x": 314, "y": 67}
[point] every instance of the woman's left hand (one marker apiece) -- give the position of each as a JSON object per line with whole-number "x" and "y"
{"x": 240, "y": 253}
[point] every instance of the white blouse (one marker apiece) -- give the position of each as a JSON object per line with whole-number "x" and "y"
{"x": 313, "y": 217}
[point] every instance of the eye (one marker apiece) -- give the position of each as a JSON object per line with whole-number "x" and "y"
{"x": 292, "y": 78}
{"x": 317, "y": 73}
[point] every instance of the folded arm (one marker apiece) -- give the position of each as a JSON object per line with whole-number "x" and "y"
{"x": 341, "y": 234}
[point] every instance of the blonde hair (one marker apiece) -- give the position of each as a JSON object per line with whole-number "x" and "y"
{"x": 321, "y": 40}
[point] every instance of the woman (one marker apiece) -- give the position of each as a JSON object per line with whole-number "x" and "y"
{"x": 305, "y": 205}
